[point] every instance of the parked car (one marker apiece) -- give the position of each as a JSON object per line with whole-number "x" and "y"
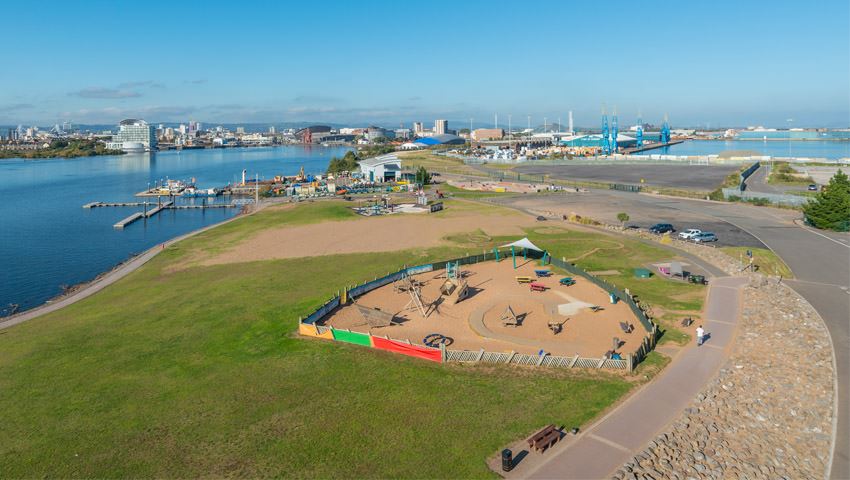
{"x": 662, "y": 228}
{"x": 689, "y": 233}
{"x": 813, "y": 187}
{"x": 703, "y": 237}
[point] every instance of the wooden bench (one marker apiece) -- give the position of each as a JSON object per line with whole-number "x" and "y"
{"x": 524, "y": 279}
{"x": 544, "y": 439}
{"x": 537, "y": 287}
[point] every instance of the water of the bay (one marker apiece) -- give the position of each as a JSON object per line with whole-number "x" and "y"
{"x": 48, "y": 240}
{"x": 829, "y": 149}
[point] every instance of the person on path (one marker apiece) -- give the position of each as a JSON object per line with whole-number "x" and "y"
{"x": 700, "y": 335}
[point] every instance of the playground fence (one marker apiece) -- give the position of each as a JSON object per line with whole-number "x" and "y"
{"x": 309, "y": 325}
{"x": 545, "y": 360}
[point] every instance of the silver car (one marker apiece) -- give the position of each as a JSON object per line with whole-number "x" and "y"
{"x": 704, "y": 237}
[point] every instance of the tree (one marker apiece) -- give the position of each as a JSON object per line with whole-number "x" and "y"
{"x": 623, "y": 217}
{"x": 422, "y": 176}
{"x": 830, "y": 209}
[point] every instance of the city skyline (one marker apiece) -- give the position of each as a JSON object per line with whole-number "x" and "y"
{"x": 727, "y": 64}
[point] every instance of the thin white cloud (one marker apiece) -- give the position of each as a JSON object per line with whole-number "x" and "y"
{"x": 102, "y": 92}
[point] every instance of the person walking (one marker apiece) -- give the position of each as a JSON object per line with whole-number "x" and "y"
{"x": 700, "y": 335}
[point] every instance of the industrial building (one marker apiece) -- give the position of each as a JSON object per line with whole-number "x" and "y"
{"x": 596, "y": 141}
{"x": 443, "y": 139}
{"x": 487, "y": 134}
{"x": 382, "y": 168}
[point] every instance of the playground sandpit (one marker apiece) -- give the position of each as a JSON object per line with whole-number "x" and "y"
{"x": 476, "y": 321}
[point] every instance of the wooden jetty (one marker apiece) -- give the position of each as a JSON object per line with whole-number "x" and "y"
{"x": 113, "y": 204}
{"x": 213, "y": 205}
{"x": 155, "y": 210}
{"x": 132, "y": 218}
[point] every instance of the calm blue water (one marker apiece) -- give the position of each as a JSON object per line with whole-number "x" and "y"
{"x": 48, "y": 240}
{"x": 774, "y": 148}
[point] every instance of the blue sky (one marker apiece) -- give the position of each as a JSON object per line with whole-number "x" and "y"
{"x": 715, "y": 63}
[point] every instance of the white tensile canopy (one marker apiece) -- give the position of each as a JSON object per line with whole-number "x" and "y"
{"x": 524, "y": 243}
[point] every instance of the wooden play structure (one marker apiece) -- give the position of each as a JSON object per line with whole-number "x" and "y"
{"x": 509, "y": 318}
{"x": 374, "y": 317}
{"x": 557, "y": 327}
{"x": 455, "y": 288}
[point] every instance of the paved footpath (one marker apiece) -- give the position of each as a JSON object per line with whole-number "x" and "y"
{"x": 613, "y": 440}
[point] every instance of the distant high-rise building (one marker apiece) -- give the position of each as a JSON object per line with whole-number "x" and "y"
{"x": 272, "y": 130}
{"x": 441, "y": 126}
{"x": 240, "y": 130}
{"x": 182, "y": 129}
{"x": 133, "y": 134}
{"x": 417, "y": 128}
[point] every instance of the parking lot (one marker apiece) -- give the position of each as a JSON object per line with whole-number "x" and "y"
{"x": 604, "y": 206}
{"x": 693, "y": 177}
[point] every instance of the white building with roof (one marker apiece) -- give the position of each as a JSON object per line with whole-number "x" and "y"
{"x": 383, "y": 168}
{"x": 133, "y": 133}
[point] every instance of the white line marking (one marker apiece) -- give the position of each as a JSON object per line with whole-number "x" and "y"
{"x": 610, "y": 443}
{"x": 822, "y": 235}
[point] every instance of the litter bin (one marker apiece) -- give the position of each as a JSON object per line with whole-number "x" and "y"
{"x": 507, "y": 460}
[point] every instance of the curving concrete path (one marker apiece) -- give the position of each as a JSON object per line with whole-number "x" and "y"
{"x": 611, "y": 441}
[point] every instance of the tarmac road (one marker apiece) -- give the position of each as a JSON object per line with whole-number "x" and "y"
{"x": 820, "y": 262}
{"x": 695, "y": 177}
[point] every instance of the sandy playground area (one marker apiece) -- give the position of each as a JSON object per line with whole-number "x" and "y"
{"x": 475, "y": 322}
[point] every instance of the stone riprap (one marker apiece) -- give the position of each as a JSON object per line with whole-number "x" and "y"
{"x": 769, "y": 411}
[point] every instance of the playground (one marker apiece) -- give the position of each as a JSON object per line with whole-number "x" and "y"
{"x": 493, "y": 306}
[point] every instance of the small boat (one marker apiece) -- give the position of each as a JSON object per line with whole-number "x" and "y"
{"x": 192, "y": 192}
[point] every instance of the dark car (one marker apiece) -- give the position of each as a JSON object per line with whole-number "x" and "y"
{"x": 662, "y": 228}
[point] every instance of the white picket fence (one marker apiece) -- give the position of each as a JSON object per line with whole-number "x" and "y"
{"x": 545, "y": 360}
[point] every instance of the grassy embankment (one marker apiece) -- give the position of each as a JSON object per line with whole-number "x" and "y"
{"x": 783, "y": 174}
{"x": 768, "y": 262}
{"x": 198, "y": 373}
{"x": 671, "y": 300}
{"x": 436, "y": 163}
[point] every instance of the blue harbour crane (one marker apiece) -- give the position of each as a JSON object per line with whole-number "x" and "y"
{"x": 606, "y": 146}
{"x": 614, "y": 131}
{"x": 639, "y": 133}
{"x": 665, "y": 131}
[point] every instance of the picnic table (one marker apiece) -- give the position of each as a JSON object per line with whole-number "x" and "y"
{"x": 537, "y": 287}
{"x": 523, "y": 279}
{"x": 567, "y": 281}
{"x": 542, "y": 273}
{"x": 544, "y": 438}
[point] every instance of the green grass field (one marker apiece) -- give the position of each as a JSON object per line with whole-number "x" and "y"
{"x": 197, "y": 372}
{"x": 614, "y": 253}
{"x": 768, "y": 262}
